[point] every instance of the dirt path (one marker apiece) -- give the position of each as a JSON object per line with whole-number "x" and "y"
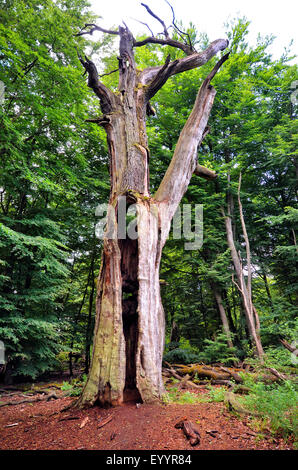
{"x": 146, "y": 427}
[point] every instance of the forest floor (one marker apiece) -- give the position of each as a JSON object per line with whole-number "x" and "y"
{"x": 43, "y": 426}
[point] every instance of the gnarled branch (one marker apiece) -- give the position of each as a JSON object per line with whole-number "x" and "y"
{"x": 155, "y": 77}
{"x": 94, "y": 27}
{"x": 104, "y": 94}
{"x": 165, "y": 42}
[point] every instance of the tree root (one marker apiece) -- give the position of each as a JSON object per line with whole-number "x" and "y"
{"x": 50, "y": 396}
{"x": 234, "y": 405}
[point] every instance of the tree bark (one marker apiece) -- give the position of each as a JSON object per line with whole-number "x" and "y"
{"x": 223, "y": 316}
{"x": 129, "y": 329}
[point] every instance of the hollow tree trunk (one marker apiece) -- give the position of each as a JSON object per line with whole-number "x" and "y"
{"x": 129, "y": 329}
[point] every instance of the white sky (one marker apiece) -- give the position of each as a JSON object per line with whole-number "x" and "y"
{"x": 277, "y": 17}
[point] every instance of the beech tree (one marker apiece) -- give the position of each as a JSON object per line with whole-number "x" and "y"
{"x": 129, "y": 329}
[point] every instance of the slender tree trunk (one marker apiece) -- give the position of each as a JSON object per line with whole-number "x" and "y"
{"x": 244, "y": 288}
{"x": 229, "y": 312}
{"x": 267, "y": 288}
{"x": 223, "y": 316}
{"x": 130, "y": 325}
{"x": 77, "y": 317}
{"x": 89, "y": 321}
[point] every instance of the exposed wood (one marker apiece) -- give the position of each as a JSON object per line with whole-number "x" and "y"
{"x": 251, "y": 316}
{"x": 217, "y": 374}
{"x": 103, "y": 422}
{"x": 205, "y": 173}
{"x": 222, "y": 313}
{"x": 94, "y": 27}
{"x": 277, "y": 374}
{"x": 84, "y": 422}
{"x": 233, "y": 374}
{"x": 190, "y": 430}
{"x": 68, "y": 418}
{"x": 157, "y": 18}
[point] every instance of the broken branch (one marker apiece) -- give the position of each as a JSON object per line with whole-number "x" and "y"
{"x": 94, "y": 27}
{"x": 205, "y": 173}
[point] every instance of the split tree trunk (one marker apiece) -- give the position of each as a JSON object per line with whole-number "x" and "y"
{"x": 129, "y": 330}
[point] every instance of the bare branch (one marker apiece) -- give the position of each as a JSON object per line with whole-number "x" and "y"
{"x": 165, "y": 42}
{"x": 94, "y": 27}
{"x": 109, "y": 73}
{"x": 145, "y": 24}
{"x": 157, "y": 18}
{"x": 104, "y": 94}
{"x": 176, "y": 27}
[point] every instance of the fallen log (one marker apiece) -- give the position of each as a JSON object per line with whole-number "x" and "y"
{"x": 190, "y": 431}
{"x": 287, "y": 345}
{"x": 220, "y": 373}
{"x": 33, "y": 400}
{"x": 279, "y": 375}
{"x": 233, "y": 374}
{"x": 203, "y": 371}
{"x": 183, "y": 383}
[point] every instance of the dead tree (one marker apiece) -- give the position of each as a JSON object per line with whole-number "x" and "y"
{"x": 129, "y": 330}
{"x": 244, "y": 286}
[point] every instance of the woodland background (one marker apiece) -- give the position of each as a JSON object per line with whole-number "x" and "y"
{"x": 54, "y": 172}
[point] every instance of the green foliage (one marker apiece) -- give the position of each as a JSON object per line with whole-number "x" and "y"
{"x": 276, "y": 403}
{"x": 216, "y": 394}
{"x": 75, "y": 387}
{"x": 217, "y": 351}
{"x": 279, "y": 358}
{"x": 181, "y": 352}
{"x": 176, "y": 396}
{"x": 43, "y": 145}
{"x": 181, "y": 356}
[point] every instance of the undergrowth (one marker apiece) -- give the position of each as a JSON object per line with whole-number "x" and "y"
{"x": 276, "y": 404}
{"x": 75, "y": 387}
